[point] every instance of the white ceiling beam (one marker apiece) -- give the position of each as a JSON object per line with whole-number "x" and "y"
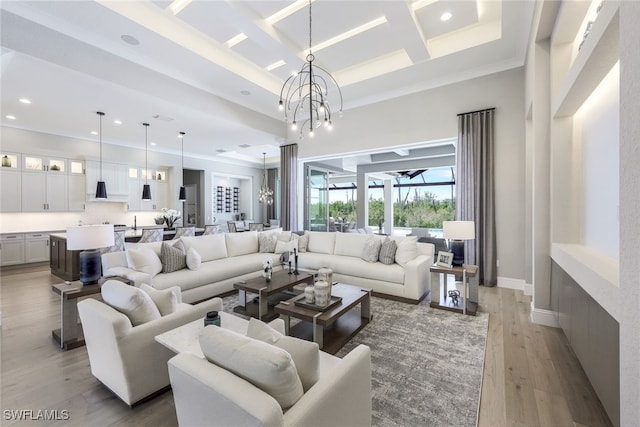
{"x": 405, "y": 25}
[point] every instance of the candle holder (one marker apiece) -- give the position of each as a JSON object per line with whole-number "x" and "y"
{"x": 295, "y": 257}
{"x": 290, "y": 271}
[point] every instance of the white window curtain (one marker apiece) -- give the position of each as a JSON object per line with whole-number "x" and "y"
{"x": 475, "y": 187}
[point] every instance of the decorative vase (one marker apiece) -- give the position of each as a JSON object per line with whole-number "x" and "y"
{"x": 267, "y": 274}
{"x": 326, "y": 275}
{"x": 159, "y": 221}
{"x": 6, "y": 162}
{"x": 212, "y": 318}
{"x": 321, "y": 293}
{"x": 309, "y": 294}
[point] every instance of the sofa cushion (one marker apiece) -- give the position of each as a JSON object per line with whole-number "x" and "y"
{"x": 349, "y": 244}
{"x": 241, "y": 243}
{"x": 371, "y": 248}
{"x": 282, "y": 247}
{"x": 305, "y": 354}
{"x": 193, "y": 259}
{"x": 303, "y": 241}
{"x": 387, "y": 253}
{"x": 145, "y": 260}
{"x": 166, "y": 300}
{"x": 407, "y": 249}
{"x": 267, "y": 367}
{"x": 210, "y": 247}
{"x": 173, "y": 256}
{"x": 136, "y": 304}
{"x": 357, "y": 267}
{"x": 267, "y": 242}
{"x": 154, "y": 246}
{"x": 322, "y": 242}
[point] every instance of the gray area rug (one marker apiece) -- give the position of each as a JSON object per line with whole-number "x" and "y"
{"x": 426, "y": 363}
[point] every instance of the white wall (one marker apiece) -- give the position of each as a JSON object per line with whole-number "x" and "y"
{"x": 432, "y": 115}
{"x": 24, "y": 141}
{"x": 598, "y": 123}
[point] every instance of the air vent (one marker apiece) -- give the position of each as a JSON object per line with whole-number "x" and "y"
{"x": 162, "y": 118}
{"x": 244, "y": 146}
{"x": 221, "y": 151}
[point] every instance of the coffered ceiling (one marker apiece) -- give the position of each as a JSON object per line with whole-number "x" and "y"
{"x": 214, "y": 69}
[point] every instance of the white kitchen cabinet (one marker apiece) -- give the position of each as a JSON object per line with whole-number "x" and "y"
{"x": 11, "y": 249}
{"x": 11, "y": 191}
{"x": 44, "y": 192}
{"x": 36, "y": 247}
{"x": 115, "y": 177}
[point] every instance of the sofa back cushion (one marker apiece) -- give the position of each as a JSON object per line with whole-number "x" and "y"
{"x": 267, "y": 367}
{"x": 322, "y": 242}
{"x": 136, "y": 304}
{"x": 145, "y": 260}
{"x": 407, "y": 249}
{"x": 350, "y": 244}
{"x": 210, "y": 247}
{"x": 242, "y": 243}
{"x": 154, "y": 246}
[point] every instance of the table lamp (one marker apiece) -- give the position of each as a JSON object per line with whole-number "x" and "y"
{"x": 457, "y": 232}
{"x": 88, "y": 239}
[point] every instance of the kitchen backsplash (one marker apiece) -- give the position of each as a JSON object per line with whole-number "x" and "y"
{"x": 95, "y": 213}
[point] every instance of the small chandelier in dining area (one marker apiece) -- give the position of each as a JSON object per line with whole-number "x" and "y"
{"x": 307, "y": 92}
{"x": 265, "y": 194}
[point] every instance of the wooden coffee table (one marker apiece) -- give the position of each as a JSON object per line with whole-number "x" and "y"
{"x": 269, "y": 293}
{"x": 331, "y": 328}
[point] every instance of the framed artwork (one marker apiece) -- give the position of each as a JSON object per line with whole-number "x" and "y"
{"x": 445, "y": 259}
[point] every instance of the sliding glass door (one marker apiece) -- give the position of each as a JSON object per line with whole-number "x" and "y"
{"x": 316, "y": 211}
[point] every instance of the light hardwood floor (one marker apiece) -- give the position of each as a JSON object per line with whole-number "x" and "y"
{"x": 531, "y": 376}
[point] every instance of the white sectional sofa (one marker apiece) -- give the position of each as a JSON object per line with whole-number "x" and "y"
{"x": 230, "y": 257}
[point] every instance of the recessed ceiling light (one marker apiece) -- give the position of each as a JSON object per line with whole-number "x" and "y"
{"x": 446, "y": 16}
{"x": 235, "y": 40}
{"x": 275, "y": 65}
{"x": 129, "y": 39}
{"x": 10, "y": 117}
{"x": 93, "y": 132}
{"x": 117, "y": 122}
{"x": 153, "y": 143}
{"x": 25, "y": 100}
{"x": 245, "y": 92}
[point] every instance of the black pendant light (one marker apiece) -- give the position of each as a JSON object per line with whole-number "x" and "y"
{"x": 146, "y": 189}
{"x": 182, "y": 197}
{"x": 101, "y": 189}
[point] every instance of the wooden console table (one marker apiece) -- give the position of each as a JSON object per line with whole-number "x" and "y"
{"x": 69, "y": 335}
{"x": 468, "y": 301}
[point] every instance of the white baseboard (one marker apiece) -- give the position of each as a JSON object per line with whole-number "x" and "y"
{"x": 543, "y": 317}
{"x": 509, "y": 283}
{"x": 528, "y": 289}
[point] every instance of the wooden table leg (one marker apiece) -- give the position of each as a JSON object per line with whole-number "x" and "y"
{"x": 318, "y": 331}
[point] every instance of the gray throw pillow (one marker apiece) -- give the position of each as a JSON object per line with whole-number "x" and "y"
{"x": 371, "y": 249}
{"x": 387, "y": 253}
{"x": 267, "y": 242}
{"x": 173, "y": 257}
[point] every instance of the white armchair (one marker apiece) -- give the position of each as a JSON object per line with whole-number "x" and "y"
{"x": 206, "y": 394}
{"x": 126, "y": 358}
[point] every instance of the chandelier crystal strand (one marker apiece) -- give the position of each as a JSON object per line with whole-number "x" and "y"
{"x": 310, "y": 85}
{"x": 265, "y": 194}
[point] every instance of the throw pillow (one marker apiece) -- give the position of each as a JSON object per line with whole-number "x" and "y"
{"x": 407, "y": 249}
{"x": 166, "y": 300}
{"x": 129, "y": 300}
{"x": 303, "y": 241}
{"x": 267, "y": 367}
{"x": 145, "y": 260}
{"x": 305, "y": 354}
{"x": 371, "y": 249}
{"x": 285, "y": 246}
{"x": 173, "y": 257}
{"x": 267, "y": 242}
{"x": 193, "y": 259}
{"x": 387, "y": 253}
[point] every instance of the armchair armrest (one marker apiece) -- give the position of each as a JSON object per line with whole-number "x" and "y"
{"x": 343, "y": 397}
{"x": 417, "y": 279}
{"x": 206, "y": 394}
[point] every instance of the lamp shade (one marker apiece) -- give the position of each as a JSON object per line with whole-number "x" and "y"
{"x": 182, "y": 197}
{"x": 146, "y": 192}
{"x": 101, "y": 190}
{"x": 89, "y": 237}
{"x": 458, "y": 230}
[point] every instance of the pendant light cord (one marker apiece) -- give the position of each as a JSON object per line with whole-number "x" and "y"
{"x": 146, "y": 150}
{"x": 100, "y": 114}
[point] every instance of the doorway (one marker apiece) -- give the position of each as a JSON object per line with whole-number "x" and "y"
{"x": 193, "y": 208}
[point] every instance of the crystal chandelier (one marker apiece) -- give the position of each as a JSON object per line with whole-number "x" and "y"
{"x": 265, "y": 194}
{"x": 309, "y": 89}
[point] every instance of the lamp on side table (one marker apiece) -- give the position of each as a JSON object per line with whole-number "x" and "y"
{"x": 88, "y": 239}
{"x": 457, "y": 232}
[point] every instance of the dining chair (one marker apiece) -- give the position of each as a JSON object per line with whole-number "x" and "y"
{"x": 211, "y": 229}
{"x": 184, "y": 232}
{"x": 151, "y": 235}
{"x": 256, "y": 226}
{"x": 231, "y": 225}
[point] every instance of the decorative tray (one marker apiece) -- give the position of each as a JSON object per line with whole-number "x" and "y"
{"x": 334, "y": 301}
